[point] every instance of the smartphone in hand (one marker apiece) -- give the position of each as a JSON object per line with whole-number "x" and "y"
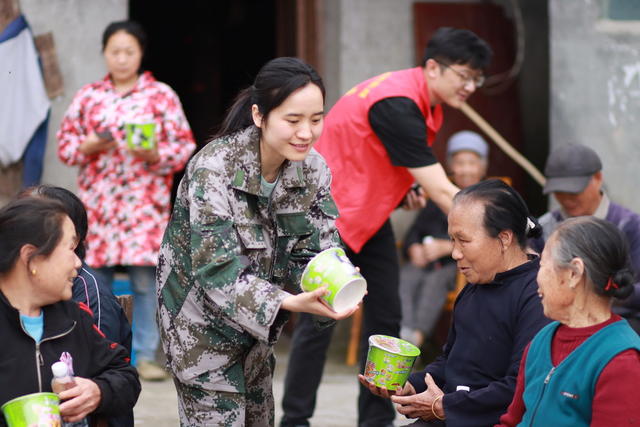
{"x": 416, "y": 189}
{"x": 105, "y": 135}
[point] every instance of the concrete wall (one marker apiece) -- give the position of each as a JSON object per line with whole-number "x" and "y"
{"x": 77, "y": 27}
{"x": 355, "y": 49}
{"x": 365, "y": 38}
{"x": 595, "y": 90}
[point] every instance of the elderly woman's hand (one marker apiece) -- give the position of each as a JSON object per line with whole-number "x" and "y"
{"x": 422, "y": 405}
{"x": 416, "y": 255}
{"x": 407, "y": 390}
{"x": 79, "y": 401}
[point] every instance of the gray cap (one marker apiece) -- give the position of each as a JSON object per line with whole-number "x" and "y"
{"x": 467, "y": 141}
{"x": 570, "y": 168}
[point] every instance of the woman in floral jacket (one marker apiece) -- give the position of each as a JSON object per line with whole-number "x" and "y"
{"x": 126, "y": 187}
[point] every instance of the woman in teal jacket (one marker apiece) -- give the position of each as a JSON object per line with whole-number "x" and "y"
{"x": 583, "y": 369}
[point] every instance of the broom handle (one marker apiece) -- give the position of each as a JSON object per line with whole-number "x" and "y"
{"x": 502, "y": 143}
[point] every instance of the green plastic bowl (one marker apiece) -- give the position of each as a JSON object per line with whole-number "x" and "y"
{"x": 389, "y": 361}
{"x": 36, "y": 409}
{"x": 332, "y": 268}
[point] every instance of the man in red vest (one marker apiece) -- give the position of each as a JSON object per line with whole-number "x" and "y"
{"x": 377, "y": 142}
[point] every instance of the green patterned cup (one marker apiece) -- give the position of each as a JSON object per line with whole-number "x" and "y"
{"x": 141, "y": 135}
{"x": 332, "y": 268}
{"x": 36, "y": 409}
{"x": 389, "y": 361}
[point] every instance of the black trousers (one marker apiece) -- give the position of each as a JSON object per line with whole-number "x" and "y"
{"x": 378, "y": 263}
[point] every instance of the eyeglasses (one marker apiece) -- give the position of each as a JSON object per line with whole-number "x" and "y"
{"x": 477, "y": 81}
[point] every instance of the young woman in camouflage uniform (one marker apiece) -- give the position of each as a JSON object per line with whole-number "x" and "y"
{"x": 253, "y": 208}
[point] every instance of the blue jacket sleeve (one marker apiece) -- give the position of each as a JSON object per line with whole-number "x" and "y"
{"x": 632, "y": 232}
{"x": 108, "y": 315}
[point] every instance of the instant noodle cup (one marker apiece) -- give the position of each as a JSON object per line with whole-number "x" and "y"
{"x": 141, "y": 135}
{"x": 389, "y": 361}
{"x": 331, "y": 268}
{"x": 36, "y": 409}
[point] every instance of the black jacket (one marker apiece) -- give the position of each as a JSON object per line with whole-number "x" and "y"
{"x": 25, "y": 367}
{"x": 90, "y": 289}
{"x": 492, "y": 324}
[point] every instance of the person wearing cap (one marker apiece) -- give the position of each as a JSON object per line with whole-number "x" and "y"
{"x": 377, "y": 142}
{"x": 574, "y": 177}
{"x": 430, "y": 273}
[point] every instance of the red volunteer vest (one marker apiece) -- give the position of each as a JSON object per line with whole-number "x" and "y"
{"x": 366, "y": 186}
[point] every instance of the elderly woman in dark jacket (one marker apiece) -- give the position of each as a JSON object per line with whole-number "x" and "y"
{"x": 37, "y": 268}
{"x": 494, "y": 317}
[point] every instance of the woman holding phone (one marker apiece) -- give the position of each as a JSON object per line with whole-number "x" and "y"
{"x": 128, "y": 135}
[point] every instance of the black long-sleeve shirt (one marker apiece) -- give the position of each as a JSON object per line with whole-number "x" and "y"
{"x": 492, "y": 324}
{"x": 401, "y": 127}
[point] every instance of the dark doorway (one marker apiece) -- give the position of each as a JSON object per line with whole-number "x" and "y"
{"x": 517, "y": 109}
{"x": 208, "y": 50}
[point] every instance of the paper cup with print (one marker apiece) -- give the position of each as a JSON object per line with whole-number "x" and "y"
{"x": 389, "y": 361}
{"x": 331, "y": 268}
{"x": 36, "y": 409}
{"x": 141, "y": 135}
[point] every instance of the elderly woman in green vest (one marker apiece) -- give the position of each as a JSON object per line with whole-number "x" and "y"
{"x": 584, "y": 368}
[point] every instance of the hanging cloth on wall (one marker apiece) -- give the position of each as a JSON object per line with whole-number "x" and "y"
{"x": 24, "y": 104}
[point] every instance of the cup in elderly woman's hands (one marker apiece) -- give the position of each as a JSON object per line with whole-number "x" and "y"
{"x": 389, "y": 361}
{"x": 332, "y": 269}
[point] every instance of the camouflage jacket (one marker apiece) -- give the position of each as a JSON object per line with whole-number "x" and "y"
{"x": 228, "y": 253}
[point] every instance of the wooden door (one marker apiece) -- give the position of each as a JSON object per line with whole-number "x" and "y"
{"x": 501, "y": 109}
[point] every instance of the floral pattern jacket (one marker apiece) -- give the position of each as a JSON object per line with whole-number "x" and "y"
{"x": 127, "y": 198}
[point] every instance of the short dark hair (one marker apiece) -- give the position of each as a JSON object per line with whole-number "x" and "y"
{"x": 504, "y": 209}
{"x": 275, "y": 81}
{"x": 29, "y": 221}
{"x": 602, "y": 248}
{"x": 73, "y": 206}
{"x": 457, "y": 46}
{"x": 130, "y": 27}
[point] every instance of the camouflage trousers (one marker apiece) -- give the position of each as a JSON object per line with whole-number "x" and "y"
{"x": 199, "y": 405}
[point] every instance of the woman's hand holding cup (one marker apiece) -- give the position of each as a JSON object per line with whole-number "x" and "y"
{"x": 146, "y": 154}
{"x": 311, "y": 302}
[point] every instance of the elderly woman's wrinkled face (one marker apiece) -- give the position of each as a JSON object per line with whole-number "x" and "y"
{"x": 479, "y": 256}
{"x": 467, "y": 168}
{"x": 553, "y": 284}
